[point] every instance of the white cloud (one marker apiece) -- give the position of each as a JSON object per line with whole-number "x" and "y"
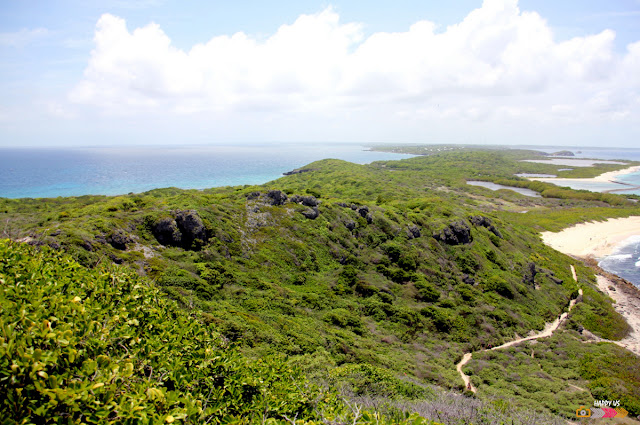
{"x": 499, "y": 63}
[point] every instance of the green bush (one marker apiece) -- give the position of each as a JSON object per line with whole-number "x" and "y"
{"x": 101, "y": 346}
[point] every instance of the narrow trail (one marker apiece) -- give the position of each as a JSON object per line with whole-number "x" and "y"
{"x": 548, "y": 330}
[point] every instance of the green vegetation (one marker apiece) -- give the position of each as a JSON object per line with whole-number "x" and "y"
{"x": 370, "y": 279}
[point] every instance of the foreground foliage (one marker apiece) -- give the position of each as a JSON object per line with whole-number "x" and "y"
{"x": 375, "y": 277}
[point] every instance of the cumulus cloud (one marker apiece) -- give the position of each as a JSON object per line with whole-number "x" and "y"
{"x": 499, "y": 62}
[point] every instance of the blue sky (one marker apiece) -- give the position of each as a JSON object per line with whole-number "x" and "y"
{"x": 163, "y": 72}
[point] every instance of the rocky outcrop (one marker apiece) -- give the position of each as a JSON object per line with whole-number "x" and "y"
{"x": 456, "y": 233}
{"x": 350, "y": 224}
{"x": 185, "y": 230}
{"x": 479, "y": 220}
{"x": 119, "y": 239}
{"x": 298, "y": 171}
{"x": 276, "y": 197}
{"x": 272, "y": 197}
{"x": 307, "y": 201}
{"x": 166, "y": 232}
{"x": 311, "y": 213}
{"x": 192, "y": 228}
{"x": 413, "y": 232}
{"x": 532, "y": 270}
{"x": 364, "y": 213}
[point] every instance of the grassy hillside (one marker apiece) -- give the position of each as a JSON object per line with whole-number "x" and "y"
{"x": 397, "y": 266}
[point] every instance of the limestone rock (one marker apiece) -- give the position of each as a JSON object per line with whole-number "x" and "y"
{"x": 311, "y": 213}
{"x": 119, "y": 239}
{"x": 166, "y": 232}
{"x": 413, "y": 232}
{"x": 456, "y": 233}
{"x": 479, "y": 220}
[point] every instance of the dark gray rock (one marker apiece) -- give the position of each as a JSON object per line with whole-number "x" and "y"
{"x": 311, "y": 213}
{"x": 530, "y": 272}
{"x": 192, "y": 228}
{"x": 298, "y": 171}
{"x": 468, "y": 280}
{"x": 307, "y": 201}
{"x": 413, "y": 232}
{"x": 166, "y": 232}
{"x": 456, "y": 233}
{"x": 342, "y": 204}
{"x": 276, "y": 197}
{"x": 119, "y": 239}
{"x": 350, "y": 224}
{"x": 369, "y": 218}
{"x": 479, "y": 220}
{"x": 363, "y": 211}
{"x": 253, "y": 195}
{"x": 556, "y": 280}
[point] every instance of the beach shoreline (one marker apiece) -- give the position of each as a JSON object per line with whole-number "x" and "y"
{"x": 608, "y": 177}
{"x": 593, "y": 241}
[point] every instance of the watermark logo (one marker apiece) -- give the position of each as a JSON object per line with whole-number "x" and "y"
{"x": 583, "y": 412}
{"x": 602, "y": 409}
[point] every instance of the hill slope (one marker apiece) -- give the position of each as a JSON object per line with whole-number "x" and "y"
{"x": 397, "y": 265}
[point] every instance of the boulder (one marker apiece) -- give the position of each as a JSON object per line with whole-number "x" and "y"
{"x": 182, "y": 231}
{"x": 350, "y": 224}
{"x": 307, "y": 201}
{"x": 456, "y": 233}
{"x": 192, "y": 228}
{"x": 413, "y": 232}
{"x": 363, "y": 211}
{"x": 166, "y": 232}
{"x": 119, "y": 239}
{"x": 469, "y": 280}
{"x": 479, "y": 220}
{"x": 311, "y": 213}
{"x": 276, "y": 197}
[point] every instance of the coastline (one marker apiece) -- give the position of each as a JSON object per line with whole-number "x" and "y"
{"x": 593, "y": 239}
{"x": 608, "y": 177}
{"x": 597, "y": 240}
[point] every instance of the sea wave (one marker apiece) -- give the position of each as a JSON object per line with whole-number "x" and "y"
{"x": 619, "y": 257}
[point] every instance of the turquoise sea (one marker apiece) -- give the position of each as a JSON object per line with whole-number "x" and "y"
{"x": 37, "y": 172}
{"x": 625, "y": 260}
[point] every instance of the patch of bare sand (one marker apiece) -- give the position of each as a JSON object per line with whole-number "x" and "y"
{"x": 597, "y": 239}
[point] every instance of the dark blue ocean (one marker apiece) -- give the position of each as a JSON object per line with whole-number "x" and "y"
{"x": 38, "y": 172}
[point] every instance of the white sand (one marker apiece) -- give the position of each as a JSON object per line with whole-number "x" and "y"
{"x": 609, "y": 177}
{"x": 597, "y": 239}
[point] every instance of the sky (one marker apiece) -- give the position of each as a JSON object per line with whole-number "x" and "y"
{"x": 150, "y": 72}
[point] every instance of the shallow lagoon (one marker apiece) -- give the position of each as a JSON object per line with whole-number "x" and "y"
{"x": 495, "y": 186}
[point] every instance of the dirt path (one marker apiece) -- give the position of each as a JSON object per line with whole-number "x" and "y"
{"x": 548, "y": 330}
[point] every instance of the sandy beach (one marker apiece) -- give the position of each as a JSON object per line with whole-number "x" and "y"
{"x": 599, "y": 239}
{"x": 609, "y": 177}
{"x": 596, "y": 239}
